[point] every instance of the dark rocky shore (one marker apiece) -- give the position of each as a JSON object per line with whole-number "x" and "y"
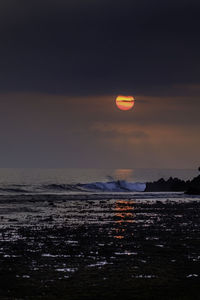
{"x": 100, "y": 249}
{"x": 191, "y": 187}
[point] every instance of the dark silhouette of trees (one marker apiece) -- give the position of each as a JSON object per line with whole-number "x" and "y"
{"x": 175, "y": 185}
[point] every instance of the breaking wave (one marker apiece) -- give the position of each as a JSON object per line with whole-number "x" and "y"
{"x": 111, "y": 186}
{"x": 116, "y": 186}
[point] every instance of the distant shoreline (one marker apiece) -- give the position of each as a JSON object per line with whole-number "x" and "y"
{"x": 191, "y": 187}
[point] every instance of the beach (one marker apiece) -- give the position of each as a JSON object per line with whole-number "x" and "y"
{"x": 100, "y": 246}
{"x": 99, "y": 155}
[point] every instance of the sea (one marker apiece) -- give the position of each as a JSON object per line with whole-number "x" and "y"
{"x": 41, "y": 181}
{"x": 94, "y": 234}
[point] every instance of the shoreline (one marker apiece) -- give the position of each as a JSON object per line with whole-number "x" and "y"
{"x": 100, "y": 249}
{"x": 37, "y": 197}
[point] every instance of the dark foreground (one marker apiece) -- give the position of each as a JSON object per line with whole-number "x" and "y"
{"x": 101, "y": 249}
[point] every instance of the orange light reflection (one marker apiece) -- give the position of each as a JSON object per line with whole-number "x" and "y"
{"x": 124, "y": 214}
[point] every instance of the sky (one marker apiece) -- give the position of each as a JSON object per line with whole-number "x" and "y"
{"x": 62, "y": 64}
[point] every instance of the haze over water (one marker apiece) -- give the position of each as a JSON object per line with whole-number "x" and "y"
{"x": 70, "y": 176}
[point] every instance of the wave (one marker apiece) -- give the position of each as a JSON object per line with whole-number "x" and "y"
{"x": 111, "y": 186}
{"x": 116, "y": 186}
{"x": 12, "y": 190}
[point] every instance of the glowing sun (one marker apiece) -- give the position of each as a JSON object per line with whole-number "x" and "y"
{"x": 125, "y": 102}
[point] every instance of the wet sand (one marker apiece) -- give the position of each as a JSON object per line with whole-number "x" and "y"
{"x": 66, "y": 248}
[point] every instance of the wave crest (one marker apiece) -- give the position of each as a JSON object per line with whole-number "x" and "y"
{"x": 110, "y": 186}
{"x": 116, "y": 186}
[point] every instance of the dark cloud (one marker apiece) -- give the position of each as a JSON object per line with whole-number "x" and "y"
{"x": 63, "y": 62}
{"x": 98, "y": 47}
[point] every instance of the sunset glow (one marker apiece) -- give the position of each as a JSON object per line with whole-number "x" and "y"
{"x": 125, "y": 102}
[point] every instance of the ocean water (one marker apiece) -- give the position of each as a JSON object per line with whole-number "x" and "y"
{"x": 61, "y": 236}
{"x": 15, "y": 181}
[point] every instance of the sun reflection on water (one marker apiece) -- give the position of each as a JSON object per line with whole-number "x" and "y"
{"x": 123, "y": 215}
{"x": 123, "y": 174}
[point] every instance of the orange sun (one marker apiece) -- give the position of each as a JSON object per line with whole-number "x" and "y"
{"x": 125, "y": 102}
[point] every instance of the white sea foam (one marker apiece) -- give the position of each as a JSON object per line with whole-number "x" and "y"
{"x": 119, "y": 185}
{"x": 72, "y": 270}
{"x": 192, "y": 275}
